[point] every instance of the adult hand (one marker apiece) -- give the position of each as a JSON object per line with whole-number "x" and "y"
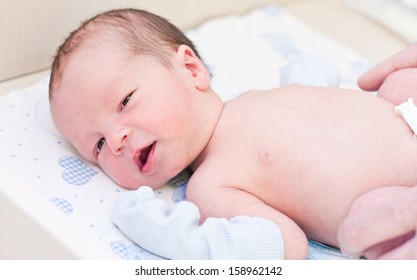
{"x": 381, "y": 224}
{"x": 374, "y": 78}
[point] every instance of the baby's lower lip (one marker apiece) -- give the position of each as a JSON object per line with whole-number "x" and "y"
{"x": 148, "y": 165}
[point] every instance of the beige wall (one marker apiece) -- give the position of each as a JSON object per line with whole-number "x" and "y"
{"x": 31, "y": 30}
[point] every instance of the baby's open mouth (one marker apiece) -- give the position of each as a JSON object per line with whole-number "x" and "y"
{"x": 144, "y": 158}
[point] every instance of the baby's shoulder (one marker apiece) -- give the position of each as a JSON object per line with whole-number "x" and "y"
{"x": 259, "y": 92}
{"x": 253, "y": 99}
{"x": 249, "y": 92}
{"x": 273, "y": 92}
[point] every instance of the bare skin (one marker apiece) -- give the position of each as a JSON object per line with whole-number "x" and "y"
{"x": 296, "y": 155}
{"x": 310, "y": 153}
{"x": 382, "y": 223}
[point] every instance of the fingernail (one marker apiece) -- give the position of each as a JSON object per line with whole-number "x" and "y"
{"x": 350, "y": 253}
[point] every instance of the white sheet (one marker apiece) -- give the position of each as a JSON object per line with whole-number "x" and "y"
{"x": 73, "y": 198}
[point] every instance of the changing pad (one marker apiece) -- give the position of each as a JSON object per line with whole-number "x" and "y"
{"x": 73, "y": 199}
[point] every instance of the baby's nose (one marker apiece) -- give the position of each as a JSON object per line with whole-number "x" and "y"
{"x": 117, "y": 140}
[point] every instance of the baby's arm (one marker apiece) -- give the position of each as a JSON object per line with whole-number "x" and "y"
{"x": 231, "y": 202}
{"x": 176, "y": 233}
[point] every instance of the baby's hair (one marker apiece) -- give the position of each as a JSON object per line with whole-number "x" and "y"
{"x": 137, "y": 31}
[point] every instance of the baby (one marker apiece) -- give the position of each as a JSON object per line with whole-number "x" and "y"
{"x": 269, "y": 167}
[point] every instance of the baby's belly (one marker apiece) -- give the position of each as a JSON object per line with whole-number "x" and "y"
{"x": 316, "y": 190}
{"x": 319, "y": 170}
{"x": 319, "y": 198}
{"x": 317, "y": 152}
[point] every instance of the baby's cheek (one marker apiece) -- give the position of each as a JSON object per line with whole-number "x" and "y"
{"x": 119, "y": 173}
{"x": 125, "y": 180}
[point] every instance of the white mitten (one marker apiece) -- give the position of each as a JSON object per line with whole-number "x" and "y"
{"x": 310, "y": 71}
{"x": 176, "y": 233}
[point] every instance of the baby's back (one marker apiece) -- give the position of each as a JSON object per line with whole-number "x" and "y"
{"x": 309, "y": 152}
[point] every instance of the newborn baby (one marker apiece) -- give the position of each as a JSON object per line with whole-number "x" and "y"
{"x": 270, "y": 168}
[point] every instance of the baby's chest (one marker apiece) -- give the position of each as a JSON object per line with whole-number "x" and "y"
{"x": 284, "y": 157}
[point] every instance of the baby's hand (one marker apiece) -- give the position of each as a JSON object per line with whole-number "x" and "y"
{"x": 176, "y": 233}
{"x": 148, "y": 221}
{"x": 142, "y": 204}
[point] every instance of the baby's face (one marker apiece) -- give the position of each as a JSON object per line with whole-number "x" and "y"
{"x": 133, "y": 117}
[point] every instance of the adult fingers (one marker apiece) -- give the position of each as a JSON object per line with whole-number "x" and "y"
{"x": 407, "y": 251}
{"x": 373, "y": 79}
{"x": 378, "y": 222}
{"x": 384, "y": 248}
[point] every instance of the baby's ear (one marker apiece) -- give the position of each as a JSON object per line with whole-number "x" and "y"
{"x": 186, "y": 57}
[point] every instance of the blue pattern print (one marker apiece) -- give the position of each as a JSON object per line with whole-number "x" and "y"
{"x": 76, "y": 171}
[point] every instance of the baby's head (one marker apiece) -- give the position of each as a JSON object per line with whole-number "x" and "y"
{"x": 129, "y": 91}
{"x": 134, "y": 31}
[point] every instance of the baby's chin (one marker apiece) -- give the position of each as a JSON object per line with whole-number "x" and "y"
{"x": 131, "y": 188}
{"x": 136, "y": 185}
{"x": 158, "y": 180}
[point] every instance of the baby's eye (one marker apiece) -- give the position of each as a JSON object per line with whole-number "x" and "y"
{"x": 126, "y": 100}
{"x": 100, "y": 144}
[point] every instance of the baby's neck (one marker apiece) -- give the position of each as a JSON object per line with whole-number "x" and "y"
{"x": 216, "y": 110}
